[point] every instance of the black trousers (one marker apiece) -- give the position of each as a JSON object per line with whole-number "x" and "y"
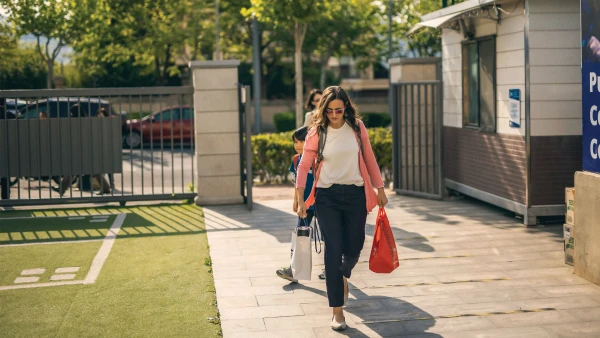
{"x": 342, "y": 214}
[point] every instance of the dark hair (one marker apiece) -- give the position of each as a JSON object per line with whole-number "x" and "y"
{"x": 78, "y": 110}
{"x": 102, "y": 112}
{"x": 311, "y": 95}
{"x": 350, "y": 111}
{"x": 300, "y": 134}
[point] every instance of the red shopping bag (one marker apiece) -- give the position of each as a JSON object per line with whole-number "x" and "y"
{"x": 384, "y": 256}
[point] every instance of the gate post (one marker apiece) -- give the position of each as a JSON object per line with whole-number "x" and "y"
{"x": 216, "y": 125}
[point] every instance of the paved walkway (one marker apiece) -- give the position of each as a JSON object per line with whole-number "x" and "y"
{"x": 466, "y": 270}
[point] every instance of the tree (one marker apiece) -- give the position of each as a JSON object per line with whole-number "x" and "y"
{"x": 49, "y": 21}
{"x": 148, "y": 39}
{"x": 425, "y": 42}
{"x": 292, "y": 15}
{"x": 350, "y": 31}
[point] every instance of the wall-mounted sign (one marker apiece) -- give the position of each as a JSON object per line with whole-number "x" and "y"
{"x": 514, "y": 108}
{"x": 590, "y": 81}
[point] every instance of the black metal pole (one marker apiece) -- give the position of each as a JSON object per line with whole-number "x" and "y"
{"x": 256, "y": 76}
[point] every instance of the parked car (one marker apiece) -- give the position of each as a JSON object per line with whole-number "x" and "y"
{"x": 171, "y": 123}
{"x": 13, "y": 106}
{"x": 60, "y": 107}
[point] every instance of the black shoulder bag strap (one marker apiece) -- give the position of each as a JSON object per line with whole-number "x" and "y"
{"x": 322, "y": 139}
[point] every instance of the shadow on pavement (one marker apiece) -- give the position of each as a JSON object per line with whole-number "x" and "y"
{"x": 386, "y": 316}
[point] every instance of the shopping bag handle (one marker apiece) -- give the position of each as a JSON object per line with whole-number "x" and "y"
{"x": 316, "y": 234}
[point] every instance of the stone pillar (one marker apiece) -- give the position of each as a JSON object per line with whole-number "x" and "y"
{"x": 587, "y": 226}
{"x": 415, "y": 69}
{"x": 217, "y": 133}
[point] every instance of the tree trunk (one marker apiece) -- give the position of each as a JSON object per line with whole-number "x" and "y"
{"x": 299, "y": 31}
{"x": 50, "y": 75}
{"x": 324, "y": 61}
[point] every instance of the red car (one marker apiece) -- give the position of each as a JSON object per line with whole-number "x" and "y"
{"x": 176, "y": 123}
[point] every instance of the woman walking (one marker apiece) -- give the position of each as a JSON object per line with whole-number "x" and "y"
{"x": 343, "y": 194}
{"x": 311, "y": 104}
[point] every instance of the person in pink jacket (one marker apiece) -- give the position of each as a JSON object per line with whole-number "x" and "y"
{"x": 343, "y": 194}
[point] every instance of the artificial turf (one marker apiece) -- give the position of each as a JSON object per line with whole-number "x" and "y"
{"x": 154, "y": 283}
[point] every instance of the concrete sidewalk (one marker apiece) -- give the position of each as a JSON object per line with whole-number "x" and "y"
{"x": 466, "y": 270}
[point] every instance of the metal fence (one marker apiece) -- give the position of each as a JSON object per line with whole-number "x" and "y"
{"x": 96, "y": 145}
{"x": 246, "y": 176}
{"x": 417, "y": 138}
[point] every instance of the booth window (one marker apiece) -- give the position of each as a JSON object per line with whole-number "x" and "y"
{"x": 479, "y": 81}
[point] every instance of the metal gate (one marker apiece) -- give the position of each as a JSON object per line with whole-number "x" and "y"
{"x": 246, "y": 176}
{"x": 96, "y": 145}
{"x": 417, "y": 138}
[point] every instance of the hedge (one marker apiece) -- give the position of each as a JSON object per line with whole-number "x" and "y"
{"x": 284, "y": 122}
{"x": 287, "y": 121}
{"x": 273, "y": 154}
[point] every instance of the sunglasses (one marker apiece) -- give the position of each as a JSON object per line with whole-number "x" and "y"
{"x": 336, "y": 111}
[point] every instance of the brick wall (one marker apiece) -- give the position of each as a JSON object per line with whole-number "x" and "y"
{"x": 491, "y": 162}
{"x": 554, "y": 161}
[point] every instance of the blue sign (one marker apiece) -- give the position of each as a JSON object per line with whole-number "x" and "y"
{"x": 514, "y": 108}
{"x": 590, "y": 81}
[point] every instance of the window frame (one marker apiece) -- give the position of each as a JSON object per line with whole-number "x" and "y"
{"x": 465, "y": 104}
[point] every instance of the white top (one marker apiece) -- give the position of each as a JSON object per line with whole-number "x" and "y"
{"x": 308, "y": 119}
{"x": 340, "y": 159}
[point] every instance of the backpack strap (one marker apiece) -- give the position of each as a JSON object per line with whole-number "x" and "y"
{"x": 322, "y": 139}
{"x": 295, "y": 160}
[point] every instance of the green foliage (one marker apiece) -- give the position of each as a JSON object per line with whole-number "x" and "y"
{"x": 381, "y": 142}
{"x": 284, "y": 122}
{"x": 46, "y": 20}
{"x": 375, "y": 120}
{"x": 407, "y": 13}
{"x": 22, "y": 68}
{"x": 273, "y": 154}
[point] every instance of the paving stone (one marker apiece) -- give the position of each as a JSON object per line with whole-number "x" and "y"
{"x": 353, "y": 331}
{"x": 237, "y": 302}
{"x": 232, "y": 283}
{"x": 512, "y": 332}
{"x": 252, "y": 291}
{"x": 421, "y": 301}
{"x": 262, "y": 281}
{"x": 261, "y": 312}
{"x": 282, "y": 299}
{"x": 242, "y": 326}
{"x": 67, "y": 276}
{"x": 30, "y": 272}
{"x": 21, "y": 280}
{"x": 590, "y": 314}
{"x": 496, "y": 247}
{"x": 67, "y": 270}
{"x": 580, "y": 303}
{"x": 533, "y": 318}
{"x": 300, "y": 322}
{"x": 576, "y": 330}
{"x": 448, "y": 325}
{"x": 557, "y": 291}
{"x": 448, "y": 288}
{"x": 306, "y": 333}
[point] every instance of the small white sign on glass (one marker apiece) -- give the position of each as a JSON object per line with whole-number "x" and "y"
{"x": 514, "y": 108}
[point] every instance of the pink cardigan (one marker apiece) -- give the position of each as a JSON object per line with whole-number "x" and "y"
{"x": 369, "y": 170}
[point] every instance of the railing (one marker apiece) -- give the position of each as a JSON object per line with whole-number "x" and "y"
{"x": 96, "y": 145}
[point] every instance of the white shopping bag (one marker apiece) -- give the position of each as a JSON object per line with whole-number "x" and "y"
{"x": 301, "y": 253}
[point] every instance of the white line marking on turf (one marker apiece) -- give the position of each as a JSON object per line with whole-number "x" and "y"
{"x": 76, "y": 218}
{"x": 100, "y": 216}
{"x": 102, "y": 254}
{"x": 99, "y": 220}
{"x": 97, "y": 263}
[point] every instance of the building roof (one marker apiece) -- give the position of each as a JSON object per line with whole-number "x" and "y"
{"x": 438, "y": 18}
